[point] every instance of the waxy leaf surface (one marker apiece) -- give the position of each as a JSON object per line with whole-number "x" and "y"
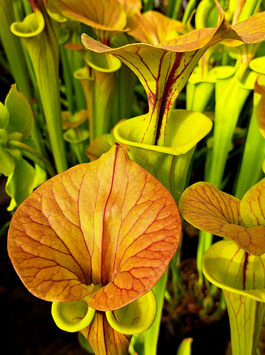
{"x": 186, "y": 129}
{"x": 252, "y": 206}
{"x": 132, "y": 9}
{"x": 207, "y": 207}
{"x": 7, "y": 162}
{"x": 213, "y": 211}
{"x": 99, "y": 146}
{"x": 101, "y": 14}
{"x": 4, "y": 116}
{"x": 40, "y": 39}
{"x": 241, "y": 277}
{"x": 155, "y": 28}
{"x": 251, "y": 30}
{"x": 20, "y": 113}
{"x": 105, "y": 231}
{"x": 167, "y": 163}
{"x": 73, "y": 121}
{"x": 22, "y": 180}
{"x": 136, "y": 317}
{"x": 164, "y": 69}
{"x": 105, "y": 16}
{"x": 234, "y": 270}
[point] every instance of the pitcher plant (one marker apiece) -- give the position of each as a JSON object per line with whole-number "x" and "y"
{"x": 97, "y": 238}
{"x": 235, "y": 265}
{"x": 132, "y": 104}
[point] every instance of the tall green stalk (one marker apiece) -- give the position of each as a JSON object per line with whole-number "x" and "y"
{"x": 230, "y": 97}
{"x": 124, "y": 94}
{"x": 173, "y": 8}
{"x": 188, "y": 11}
{"x": 18, "y": 63}
{"x": 253, "y": 157}
{"x": 68, "y": 79}
{"x": 249, "y": 8}
{"x": 150, "y": 337}
{"x": 241, "y": 277}
{"x": 38, "y": 32}
{"x": 148, "y": 5}
{"x": 12, "y": 48}
{"x": 254, "y": 149}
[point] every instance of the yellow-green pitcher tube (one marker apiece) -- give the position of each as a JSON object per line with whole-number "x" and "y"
{"x": 169, "y": 164}
{"x": 246, "y": 317}
{"x": 230, "y": 98}
{"x": 254, "y": 149}
{"x": 253, "y": 157}
{"x": 240, "y": 275}
{"x": 12, "y": 47}
{"x": 103, "y": 68}
{"x": 231, "y": 95}
{"x": 124, "y": 97}
{"x": 39, "y": 35}
{"x": 16, "y": 60}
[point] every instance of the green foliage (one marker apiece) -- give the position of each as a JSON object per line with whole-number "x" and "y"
{"x": 180, "y": 84}
{"x": 16, "y": 122}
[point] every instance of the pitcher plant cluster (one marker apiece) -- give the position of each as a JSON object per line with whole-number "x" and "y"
{"x": 128, "y": 123}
